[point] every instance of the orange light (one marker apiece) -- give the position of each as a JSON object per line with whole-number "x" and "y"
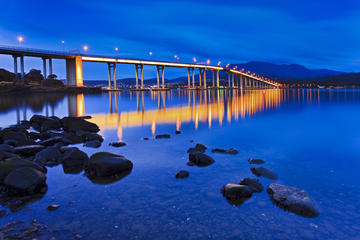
{"x": 85, "y": 48}
{"x": 194, "y": 59}
{"x": 208, "y": 62}
{"x": 116, "y": 49}
{"x": 219, "y": 63}
{"x": 20, "y": 39}
{"x": 150, "y": 53}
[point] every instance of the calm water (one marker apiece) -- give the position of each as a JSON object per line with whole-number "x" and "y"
{"x": 311, "y": 138}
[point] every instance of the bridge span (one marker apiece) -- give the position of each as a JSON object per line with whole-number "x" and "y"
{"x": 74, "y": 70}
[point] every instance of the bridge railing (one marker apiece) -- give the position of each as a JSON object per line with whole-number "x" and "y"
{"x": 34, "y": 50}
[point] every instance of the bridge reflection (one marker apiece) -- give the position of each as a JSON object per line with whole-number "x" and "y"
{"x": 208, "y": 106}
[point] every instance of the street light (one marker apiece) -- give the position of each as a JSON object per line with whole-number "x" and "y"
{"x": 150, "y": 53}
{"x": 63, "y": 45}
{"x": 219, "y": 63}
{"x": 208, "y": 62}
{"x": 85, "y": 48}
{"x": 20, "y": 40}
{"x": 194, "y": 59}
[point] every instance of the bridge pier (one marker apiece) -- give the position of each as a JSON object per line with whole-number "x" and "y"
{"x": 217, "y": 79}
{"x": 50, "y": 66}
{"x": 74, "y": 71}
{"x": 193, "y": 77}
{"x": 213, "y": 78}
{"x": 200, "y": 73}
{"x": 15, "y": 68}
{"x": 204, "y": 70}
{"x": 141, "y": 67}
{"x": 228, "y": 80}
{"x": 162, "y": 70}
{"x": 233, "y": 80}
{"x": 241, "y": 82}
{"x": 112, "y": 66}
{"x": 188, "y": 77}
{"x": 44, "y": 68}
{"x": 22, "y": 67}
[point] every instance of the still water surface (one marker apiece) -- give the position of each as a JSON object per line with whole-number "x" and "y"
{"x": 310, "y": 138}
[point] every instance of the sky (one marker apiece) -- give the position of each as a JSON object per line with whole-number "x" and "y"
{"x": 316, "y": 34}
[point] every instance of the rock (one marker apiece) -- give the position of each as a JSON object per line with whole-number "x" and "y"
{"x": 198, "y": 148}
{"x": 10, "y": 164}
{"x": 25, "y": 142}
{"x": 12, "y": 134}
{"x": 145, "y": 138}
{"x": 255, "y": 161}
{"x": 73, "y": 138}
{"x": 93, "y": 144}
{"x": 89, "y": 136}
{"x": 38, "y": 120}
{"x": 236, "y": 194}
{"x": 25, "y": 180}
{"x": 74, "y": 160}
{"x": 162, "y": 136}
{"x": 177, "y": 132}
{"x": 253, "y": 184}
{"x": 28, "y": 150}
{"x": 50, "y": 124}
{"x": 182, "y": 174}
{"x": 11, "y": 142}
{"x": 74, "y": 124}
{"x": 190, "y": 164}
{"x": 228, "y": 151}
{"x": 264, "y": 172}
{"x": 104, "y": 164}
{"x": 5, "y": 155}
{"x": 50, "y": 154}
{"x": 6, "y": 148}
{"x": 34, "y": 135}
{"x": 53, "y": 140}
{"x": 117, "y": 144}
{"x": 53, "y": 207}
{"x": 54, "y": 83}
{"x": 34, "y": 76}
{"x": 200, "y": 159}
{"x": 293, "y": 199}
{"x": 2, "y": 213}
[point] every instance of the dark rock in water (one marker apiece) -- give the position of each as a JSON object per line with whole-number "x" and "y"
{"x": 228, "y": 151}
{"x": 85, "y": 117}
{"x": 200, "y": 159}
{"x": 25, "y": 142}
{"x": 53, "y": 207}
{"x": 6, "y": 148}
{"x": 11, "y": 142}
{"x": 162, "y": 136}
{"x": 12, "y": 134}
{"x": 10, "y": 164}
{"x": 73, "y": 138}
{"x": 50, "y": 154}
{"x": 74, "y": 160}
{"x": 256, "y": 161}
{"x": 90, "y": 136}
{"x": 53, "y": 140}
{"x": 253, "y": 184}
{"x": 293, "y": 199}
{"x": 28, "y": 150}
{"x": 145, "y": 138}
{"x": 198, "y": 148}
{"x": 74, "y": 124}
{"x": 236, "y": 194}
{"x": 190, "y": 164}
{"x": 264, "y": 172}
{"x": 25, "y": 180}
{"x": 182, "y": 174}
{"x": 37, "y": 121}
{"x": 104, "y": 164}
{"x": 50, "y": 124}
{"x": 117, "y": 144}
{"x": 34, "y": 135}
{"x": 5, "y": 155}
{"x": 93, "y": 144}
{"x": 177, "y": 132}
{"x": 2, "y": 213}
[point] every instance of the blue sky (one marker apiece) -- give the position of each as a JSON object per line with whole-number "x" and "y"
{"x": 317, "y": 34}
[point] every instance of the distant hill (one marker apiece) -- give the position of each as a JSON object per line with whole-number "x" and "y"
{"x": 286, "y": 70}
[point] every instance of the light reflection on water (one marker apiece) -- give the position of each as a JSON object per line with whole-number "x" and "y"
{"x": 310, "y": 137}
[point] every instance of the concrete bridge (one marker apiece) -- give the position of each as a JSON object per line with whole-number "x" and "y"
{"x": 74, "y": 69}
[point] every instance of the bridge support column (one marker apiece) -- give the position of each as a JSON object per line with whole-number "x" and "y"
{"x": 22, "y": 67}
{"x": 15, "y": 68}
{"x": 193, "y": 78}
{"x": 217, "y": 79}
{"x": 232, "y": 80}
{"x": 188, "y": 77}
{"x": 50, "y": 66}
{"x": 141, "y": 67}
{"x": 158, "y": 69}
{"x": 213, "y": 78}
{"x": 204, "y": 78}
{"x": 74, "y": 71}
{"x": 109, "y": 75}
{"x": 229, "y": 80}
{"x": 241, "y": 82}
{"x": 200, "y": 73}
{"x": 44, "y": 68}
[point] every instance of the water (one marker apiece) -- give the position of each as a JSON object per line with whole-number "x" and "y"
{"x": 310, "y": 138}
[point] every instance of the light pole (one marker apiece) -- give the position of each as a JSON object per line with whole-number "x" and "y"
{"x": 63, "y": 45}
{"x": 85, "y": 48}
{"x": 20, "y": 40}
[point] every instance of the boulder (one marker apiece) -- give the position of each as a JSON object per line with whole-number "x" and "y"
{"x": 104, "y": 164}
{"x": 50, "y": 124}
{"x": 177, "y": 132}
{"x": 228, "y": 151}
{"x": 25, "y": 180}
{"x": 93, "y": 144}
{"x": 264, "y": 172}
{"x": 190, "y": 164}
{"x": 117, "y": 144}
{"x": 6, "y": 148}
{"x": 182, "y": 174}
{"x": 256, "y": 161}
{"x": 54, "y": 83}
{"x": 12, "y": 134}
{"x": 34, "y": 76}
{"x": 198, "y": 148}
{"x": 293, "y": 199}
{"x": 38, "y": 119}
{"x": 74, "y": 124}
{"x": 89, "y": 136}
{"x": 162, "y": 136}
{"x": 28, "y": 150}
{"x": 236, "y": 194}
{"x": 10, "y": 164}
{"x": 25, "y": 142}
{"x": 53, "y": 140}
{"x": 6, "y": 155}
{"x": 200, "y": 159}
{"x": 253, "y": 184}
{"x": 73, "y": 138}
{"x": 74, "y": 160}
{"x": 48, "y": 157}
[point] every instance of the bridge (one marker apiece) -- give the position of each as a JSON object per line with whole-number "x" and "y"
{"x": 74, "y": 70}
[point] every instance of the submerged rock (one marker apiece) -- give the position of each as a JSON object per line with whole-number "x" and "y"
{"x": 25, "y": 180}
{"x": 198, "y": 148}
{"x": 177, "y": 132}
{"x": 93, "y": 144}
{"x": 48, "y": 157}
{"x": 28, "y": 150}
{"x": 190, "y": 164}
{"x": 236, "y": 194}
{"x": 104, "y": 164}
{"x": 50, "y": 124}
{"x": 74, "y": 160}
{"x": 75, "y": 124}
{"x": 293, "y": 199}
{"x": 53, "y": 140}
{"x": 117, "y": 144}
{"x": 53, "y": 207}
{"x": 200, "y": 159}
{"x": 253, "y": 184}
{"x": 228, "y": 151}
{"x": 264, "y": 172}
{"x": 255, "y": 161}
{"x": 10, "y": 164}
{"x": 182, "y": 174}
{"x": 162, "y": 136}
{"x": 89, "y": 136}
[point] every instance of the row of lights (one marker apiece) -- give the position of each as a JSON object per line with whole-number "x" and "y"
{"x": 85, "y": 48}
